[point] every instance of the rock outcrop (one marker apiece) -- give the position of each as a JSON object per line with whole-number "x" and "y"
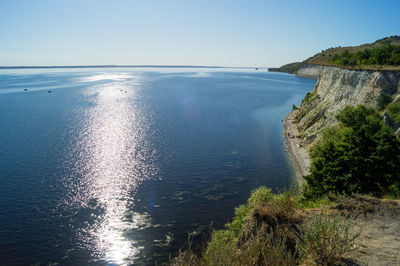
{"x": 308, "y": 71}
{"x": 337, "y": 88}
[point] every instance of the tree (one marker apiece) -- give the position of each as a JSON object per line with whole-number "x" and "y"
{"x": 361, "y": 156}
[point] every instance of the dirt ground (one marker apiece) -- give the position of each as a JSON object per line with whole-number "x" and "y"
{"x": 378, "y": 220}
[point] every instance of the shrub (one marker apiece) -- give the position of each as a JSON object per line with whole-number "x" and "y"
{"x": 386, "y": 54}
{"x": 363, "y": 156}
{"x": 239, "y": 220}
{"x": 262, "y": 249}
{"x": 185, "y": 258}
{"x": 310, "y": 97}
{"x": 221, "y": 250}
{"x": 383, "y": 100}
{"x": 261, "y": 194}
{"x": 393, "y": 111}
{"x": 327, "y": 239}
{"x": 274, "y": 236}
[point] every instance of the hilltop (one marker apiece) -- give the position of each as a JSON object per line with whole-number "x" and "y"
{"x": 384, "y": 54}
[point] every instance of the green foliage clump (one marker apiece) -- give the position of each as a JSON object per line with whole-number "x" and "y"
{"x": 321, "y": 240}
{"x": 383, "y": 100}
{"x": 393, "y": 111}
{"x": 310, "y": 97}
{"x": 262, "y": 249}
{"x": 362, "y": 156}
{"x": 222, "y": 247}
{"x": 239, "y": 220}
{"x": 291, "y": 68}
{"x": 261, "y": 194}
{"x": 225, "y": 241}
{"x": 387, "y": 54}
{"x": 326, "y": 239}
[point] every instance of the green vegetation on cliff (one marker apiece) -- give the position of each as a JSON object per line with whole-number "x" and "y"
{"x": 382, "y": 55}
{"x": 393, "y": 110}
{"x": 275, "y": 229}
{"x": 288, "y": 68}
{"x": 361, "y": 155}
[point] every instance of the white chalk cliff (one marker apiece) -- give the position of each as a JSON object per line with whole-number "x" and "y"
{"x": 337, "y": 88}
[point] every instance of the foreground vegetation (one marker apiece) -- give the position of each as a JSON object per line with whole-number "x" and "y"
{"x": 274, "y": 229}
{"x": 360, "y": 155}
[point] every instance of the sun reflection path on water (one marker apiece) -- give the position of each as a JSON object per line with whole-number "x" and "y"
{"x": 112, "y": 156}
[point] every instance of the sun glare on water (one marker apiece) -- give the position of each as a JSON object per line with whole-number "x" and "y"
{"x": 111, "y": 158}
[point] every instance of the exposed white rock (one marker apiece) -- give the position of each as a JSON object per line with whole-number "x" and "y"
{"x": 308, "y": 71}
{"x": 337, "y": 88}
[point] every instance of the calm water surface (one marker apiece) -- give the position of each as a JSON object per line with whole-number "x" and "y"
{"x": 119, "y": 166}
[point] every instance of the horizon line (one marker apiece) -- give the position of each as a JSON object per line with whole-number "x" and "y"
{"x": 105, "y": 66}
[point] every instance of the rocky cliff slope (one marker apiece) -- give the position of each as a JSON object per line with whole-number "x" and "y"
{"x": 337, "y": 88}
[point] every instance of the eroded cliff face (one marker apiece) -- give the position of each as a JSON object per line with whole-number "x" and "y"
{"x": 308, "y": 71}
{"x": 337, "y": 88}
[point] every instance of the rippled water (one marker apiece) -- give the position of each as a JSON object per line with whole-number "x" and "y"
{"x": 119, "y": 166}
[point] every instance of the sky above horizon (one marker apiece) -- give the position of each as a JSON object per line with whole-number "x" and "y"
{"x": 178, "y": 32}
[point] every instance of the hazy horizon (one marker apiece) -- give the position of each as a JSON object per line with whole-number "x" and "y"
{"x": 206, "y": 33}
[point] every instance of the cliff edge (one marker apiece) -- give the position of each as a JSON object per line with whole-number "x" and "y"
{"x": 337, "y": 88}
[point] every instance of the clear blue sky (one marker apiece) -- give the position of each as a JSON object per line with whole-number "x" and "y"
{"x": 198, "y": 32}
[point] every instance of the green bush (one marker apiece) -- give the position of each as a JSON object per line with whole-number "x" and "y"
{"x": 320, "y": 240}
{"x": 380, "y": 55}
{"x": 310, "y": 97}
{"x": 261, "y": 194}
{"x": 326, "y": 239}
{"x": 239, "y": 220}
{"x": 383, "y": 100}
{"x": 262, "y": 249}
{"x": 393, "y": 111}
{"x": 221, "y": 249}
{"x": 362, "y": 156}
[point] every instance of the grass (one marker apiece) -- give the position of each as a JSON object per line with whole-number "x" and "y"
{"x": 270, "y": 229}
{"x": 327, "y": 239}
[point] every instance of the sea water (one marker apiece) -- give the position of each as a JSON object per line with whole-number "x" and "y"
{"x": 115, "y": 166}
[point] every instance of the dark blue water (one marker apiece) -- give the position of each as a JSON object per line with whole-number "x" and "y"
{"x": 119, "y": 166}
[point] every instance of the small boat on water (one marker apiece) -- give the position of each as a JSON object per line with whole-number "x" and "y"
{"x": 25, "y": 89}
{"x": 256, "y": 68}
{"x": 49, "y": 91}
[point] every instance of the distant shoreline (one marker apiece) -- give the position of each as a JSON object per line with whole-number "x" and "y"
{"x": 121, "y": 66}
